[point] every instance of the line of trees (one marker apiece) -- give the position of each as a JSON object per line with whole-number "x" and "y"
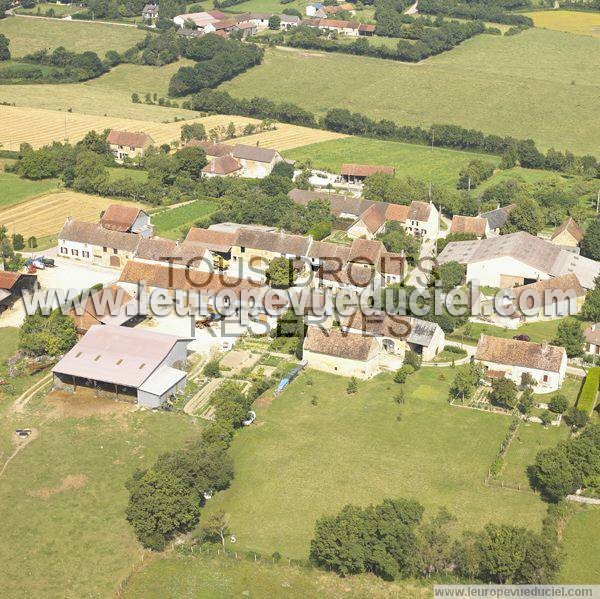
{"x": 495, "y": 12}
{"x": 392, "y": 540}
{"x": 220, "y": 60}
{"x": 514, "y": 151}
{"x": 71, "y": 66}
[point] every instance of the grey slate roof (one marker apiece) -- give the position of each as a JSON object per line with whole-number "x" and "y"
{"x": 95, "y": 234}
{"x": 255, "y": 153}
{"x": 496, "y": 218}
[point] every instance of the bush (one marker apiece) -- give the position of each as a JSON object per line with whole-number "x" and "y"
{"x": 558, "y": 404}
{"x": 412, "y": 359}
{"x": 546, "y": 417}
{"x": 212, "y": 369}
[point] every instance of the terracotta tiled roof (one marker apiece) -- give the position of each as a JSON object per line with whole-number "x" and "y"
{"x": 374, "y": 217}
{"x": 164, "y": 277}
{"x": 366, "y": 251}
{"x": 392, "y": 264}
{"x": 155, "y": 248}
{"x": 468, "y": 224}
{"x": 212, "y": 148}
{"x": 96, "y": 234}
{"x": 351, "y": 346}
{"x": 222, "y": 165}
{"x": 215, "y": 241}
{"x": 592, "y": 334}
{"x": 325, "y": 249}
{"x": 563, "y": 283}
{"x": 397, "y": 212}
{"x": 106, "y": 298}
{"x": 519, "y": 353}
{"x": 119, "y": 218}
{"x": 419, "y": 211}
{"x": 364, "y": 170}
{"x": 571, "y": 227}
{"x": 8, "y": 279}
{"x": 133, "y": 139}
{"x": 339, "y": 204}
{"x": 367, "y": 27}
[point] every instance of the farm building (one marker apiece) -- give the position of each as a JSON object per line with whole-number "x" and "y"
{"x": 12, "y": 284}
{"x": 127, "y": 219}
{"x": 343, "y": 353}
{"x": 546, "y": 299}
{"x": 355, "y": 174}
{"x": 91, "y": 242}
{"x": 256, "y": 162}
{"x": 475, "y": 225}
{"x": 547, "y": 364}
{"x": 128, "y": 144}
{"x": 125, "y": 363}
{"x": 592, "y": 339}
{"x": 222, "y": 166}
{"x": 200, "y": 20}
{"x": 497, "y": 218}
{"x": 315, "y": 10}
{"x": 109, "y": 305}
{"x": 568, "y": 234}
{"x": 150, "y": 12}
{"x": 518, "y": 259}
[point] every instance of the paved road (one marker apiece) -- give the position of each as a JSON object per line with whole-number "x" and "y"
{"x": 419, "y": 275}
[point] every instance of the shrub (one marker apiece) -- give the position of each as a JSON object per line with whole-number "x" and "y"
{"x": 212, "y": 369}
{"x": 558, "y": 404}
{"x": 546, "y": 417}
{"x": 352, "y": 386}
{"x": 589, "y": 391}
{"x": 412, "y": 359}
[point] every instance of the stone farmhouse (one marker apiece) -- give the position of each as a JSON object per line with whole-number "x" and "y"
{"x": 497, "y": 218}
{"x": 592, "y": 339}
{"x": 128, "y": 144}
{"x": 475, "y": 225}
{"x": 239, "y": 160}
{"x": 518, "y": 259}
{"x": 419, "y": 218}
{"x": 547, "y": 364}
{"x": 568, "y": 234}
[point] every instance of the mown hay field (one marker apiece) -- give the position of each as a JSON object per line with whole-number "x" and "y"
{"x": 46, "y": 214}
{"x": 27, "y": 35}
{"x": 570, "y": 21}
{"x": 40, "y": 127}
{"x": 496, "y": 84}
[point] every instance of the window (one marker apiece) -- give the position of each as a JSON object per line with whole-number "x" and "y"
{"x": 64, "y": 251}
{"x": 545, "y": 378}
{"x": 115, "y": 251}
{"x": 75, "y": 252}
{"x": 242, "y": 250}
{"x": 85, "y": 254}
{"x": 104, "y": 250}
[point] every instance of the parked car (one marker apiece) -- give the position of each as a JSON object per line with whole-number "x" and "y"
{"x": 522, "y": 338}
{"x": 48, "y": 262}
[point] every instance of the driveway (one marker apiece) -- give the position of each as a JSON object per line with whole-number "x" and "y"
{"x": 419, "y": 275}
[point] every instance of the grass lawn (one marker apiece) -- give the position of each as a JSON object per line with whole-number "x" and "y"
{"x": 13, "y": 189}
{"x": 60, "y": 10}
{"x": 439, "y": 165}
{"x": 136, "y": 174}
{"x": 169, "y": 223}
{"x": 582, "y": 544}
{"x": 63, "y": 497}
{"x": 493, "y": 83}
{"x": 526, "y": 175}
{"x": 265, "y": 6}
{"x": 570, "y": 21}
{"x": 222, "y": 578}
{"x": 538, "y": 331}
{"x": 301, "y": 461}
{"x": 531, "y": 438}
{"x": 28, "y": 35}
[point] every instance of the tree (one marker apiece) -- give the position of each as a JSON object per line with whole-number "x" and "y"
{"x": 465, "y": 382}
{"x": 526, "y": 216}
{"x": 553, "y": 474}
{"x": 51, "y": 335}
{"x": 216, "y": 527}
{"x": 576, "y": 418}
{"x": 280, "y": 273}
{"x": 590, "y": 244}
{"x": 160, "y": 506}
{"x": 591, "y": 307}
{"x": 18, "y": 242}
{"x": 231, "y": 404}
{"x": 283, "y": 169}
{"x": 526, "y": 402}
{"x": 558, "y": 404}
{"x": 212, "y": 369}
{"x": 413, "y": 359}
{"x": 475, "y": 173}
{"x": 193, "y": 131}
{"x": 546, "y": 417}
{"x": 504, "y": 393}
{"x": 4, "y": 48}
{"x": 352, "y": 386}
{"x": 570, "y": 336}
{"x": 435, "y": 546}
{"x": 396, "y": 240}
{"x": 275, "y": 22}
{"x": 451, "y": 274}
{"x": 191, "y": 160}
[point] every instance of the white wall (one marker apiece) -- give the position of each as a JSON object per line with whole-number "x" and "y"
{"x": 488, "y": 272}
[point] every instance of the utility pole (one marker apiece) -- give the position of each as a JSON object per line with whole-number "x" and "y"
{"x": 66, "y": 137}
{"x": 432, "y": 138}
{"x": 597, "y": 201}
{"x": 469, "y": 184}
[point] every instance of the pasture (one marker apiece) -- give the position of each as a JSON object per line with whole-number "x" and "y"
{"x": 13, "y": 189}
{"x": 315, "y": 449}
{"x": 46, "y": 214}
{"x": 493, "y": 83}
{"x": 28, "y": 35}
{"x": 582, "y": 544}
{"x": 60, "y": 10}
{"x": 437, "y": 165}
{"x": 174, "y": 222}
{"x": 63, "y": 497}
{"x": 569, "y": 21}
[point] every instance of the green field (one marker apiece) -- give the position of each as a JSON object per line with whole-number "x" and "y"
{"x": 582, "y": 545}
{"x": 109, "y": 95}
{"x": 538, "y": 331}
{"x": 300, "y": 461}
{"x": 60, "y": 10}
{"x": 266, "y": 6}
{"x": 136, "y": 174}
{"x": 439, "y": 165}
{"x": 28, "y": 35}
{"x": 496, "y": 84}
{"x": 63, "y": 498}
{"x": 525, "y": 175}
{"x": 221, "y": 578}
{"x": 169, "y": 223}
{"x": 13, "y": 189}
